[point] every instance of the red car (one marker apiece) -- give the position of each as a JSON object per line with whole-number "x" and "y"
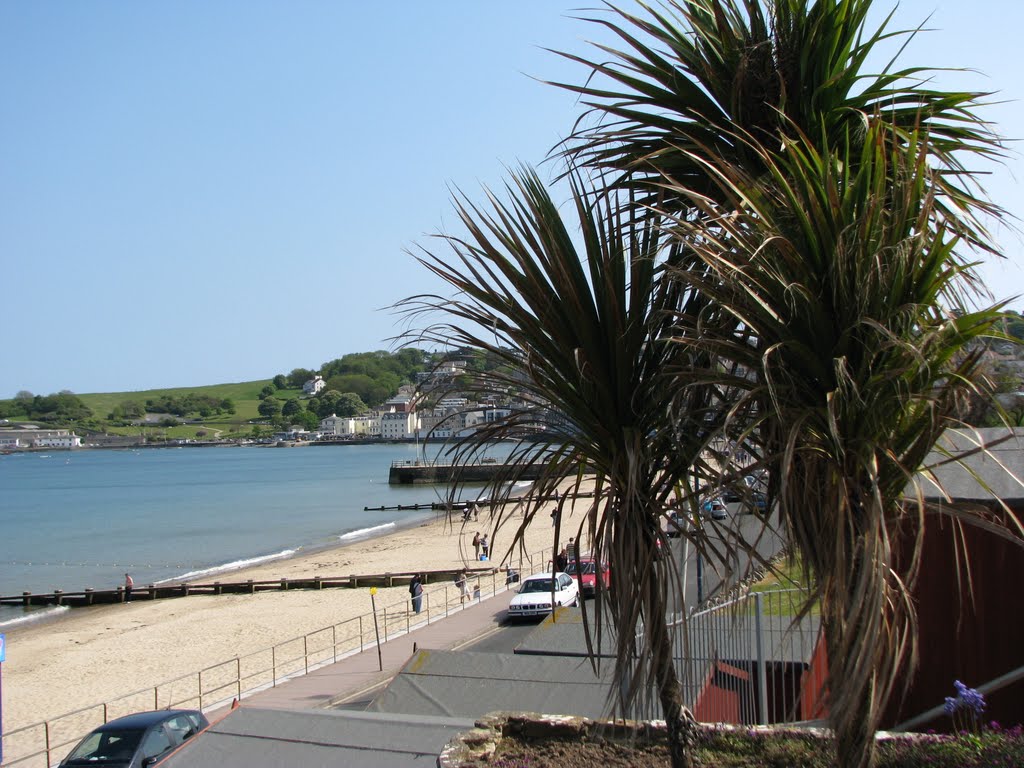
{"x": 585, "y": 572}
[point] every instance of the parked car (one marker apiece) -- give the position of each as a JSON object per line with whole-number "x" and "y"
{"x": 534, "y": 595}
{"x": 714, "y": 508}
{"x": 586, "y": 572}
{"x": 137, "y": 741}
{"x": 678, "y": 523}
{"x": 757, "y": 503}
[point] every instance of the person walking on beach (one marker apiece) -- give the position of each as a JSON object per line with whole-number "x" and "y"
{"x": 485, "y": 548}
{"x": 461, "y": 582}
{"x": 476, "y": 545}
{"x": 416, "y": 593}
{"x": 128, "y": 584}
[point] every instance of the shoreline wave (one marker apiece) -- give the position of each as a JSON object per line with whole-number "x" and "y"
{"x": 33, "y": 616}
{"x": 235, "y": 565}
{"x": 367, "y": 533}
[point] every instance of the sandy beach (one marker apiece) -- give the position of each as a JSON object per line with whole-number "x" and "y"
{"x": 93, "y": 655}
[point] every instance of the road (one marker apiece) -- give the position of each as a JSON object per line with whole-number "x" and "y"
{"x": 505, "y": 637}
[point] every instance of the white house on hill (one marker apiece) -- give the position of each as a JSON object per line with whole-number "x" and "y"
{"x": 314, "y": 386}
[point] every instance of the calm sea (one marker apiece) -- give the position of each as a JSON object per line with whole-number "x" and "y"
{"x": 71, "y": 520}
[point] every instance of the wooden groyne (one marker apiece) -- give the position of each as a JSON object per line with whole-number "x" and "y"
{"x": 164, "y": 591}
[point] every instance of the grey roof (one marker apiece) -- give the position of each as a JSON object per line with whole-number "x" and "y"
{"x": 318, "y": 739}
{"x": 984, "y": 476}
{"x": 467, "y": 684}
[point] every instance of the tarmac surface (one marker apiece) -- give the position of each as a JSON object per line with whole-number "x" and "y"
{"x": 361, "y": 674}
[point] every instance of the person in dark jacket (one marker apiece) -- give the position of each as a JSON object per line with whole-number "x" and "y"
{"x": 416, "y": 593}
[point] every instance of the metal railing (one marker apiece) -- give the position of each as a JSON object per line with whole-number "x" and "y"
{"x": 749, "y": 660}
{"x": 42, "y": 744}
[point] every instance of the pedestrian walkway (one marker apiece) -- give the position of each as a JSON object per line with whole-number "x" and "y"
{"x": 361, "y": 673}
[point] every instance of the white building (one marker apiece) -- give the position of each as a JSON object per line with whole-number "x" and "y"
{"x": 39, "y": 438}
{"x": 397, "y": 425}
{"x": 336, "y": 426}
{"x": 314, "y": 386}
{"x": 366, "y": 426}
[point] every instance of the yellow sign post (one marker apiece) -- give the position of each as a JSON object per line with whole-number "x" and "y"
{"x": 376, "y": 631}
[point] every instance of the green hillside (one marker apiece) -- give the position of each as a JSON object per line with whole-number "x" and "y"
{"x": 244, "y": 394}
{"x": 217, "y": 411}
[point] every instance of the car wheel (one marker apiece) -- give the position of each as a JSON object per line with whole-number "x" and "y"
{"x": 576, "y": 602}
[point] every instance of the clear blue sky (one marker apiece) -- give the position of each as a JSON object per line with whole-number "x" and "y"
{"x": 203, "y": 192}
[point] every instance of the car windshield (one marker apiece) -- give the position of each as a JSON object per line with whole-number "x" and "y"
{"x": 537, "y": 585}
{"x": 583, "y": 568}
{"x": 107, "y": 747}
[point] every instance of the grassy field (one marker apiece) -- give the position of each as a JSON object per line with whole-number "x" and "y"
{"x": 787, "y": 577}
{"x": 245, "y": 396}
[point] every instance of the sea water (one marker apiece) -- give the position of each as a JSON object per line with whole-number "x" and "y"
{"x": 76, "y": 519}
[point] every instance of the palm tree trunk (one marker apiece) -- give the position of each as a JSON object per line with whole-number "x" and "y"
{"x": 679, "y": 721}
{"x": 853, "y": 726}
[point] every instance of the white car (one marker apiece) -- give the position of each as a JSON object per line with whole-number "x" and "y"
{"x": 534, "y": 596}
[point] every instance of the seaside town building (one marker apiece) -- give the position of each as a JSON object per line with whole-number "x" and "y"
{"x": 399, "y": 425}
{"x": 350, "y": 426}
{"x": 25, "y": 438}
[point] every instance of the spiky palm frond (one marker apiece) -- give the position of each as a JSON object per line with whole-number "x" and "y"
{"x": 694, "y": 74}
{"x": 837, "y": 272}
{"x": 587, "y": 339}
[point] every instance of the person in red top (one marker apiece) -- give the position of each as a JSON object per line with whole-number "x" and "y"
{"x": 128, "y": 584}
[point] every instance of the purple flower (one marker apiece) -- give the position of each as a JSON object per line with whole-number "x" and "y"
{"x": 951, "y": 705}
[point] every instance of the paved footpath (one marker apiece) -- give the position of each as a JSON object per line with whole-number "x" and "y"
{"x": 361, "y": 673}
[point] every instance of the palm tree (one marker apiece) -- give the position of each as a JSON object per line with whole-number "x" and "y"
{"x": 584, "y": 337}
{"x": 862, "y": 353}
{"x": 729, "y": 117}
{"x": 695, "y": 76}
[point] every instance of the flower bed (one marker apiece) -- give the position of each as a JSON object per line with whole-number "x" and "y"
{"x": 522, "y": 740}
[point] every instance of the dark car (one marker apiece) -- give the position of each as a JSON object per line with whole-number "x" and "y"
{"x": 137, "y": 741}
